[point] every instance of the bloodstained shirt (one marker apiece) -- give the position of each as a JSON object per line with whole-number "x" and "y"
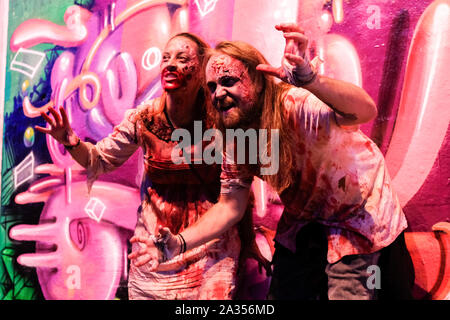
{"x": 340, "y": 181}
{"x": 173, "y": 196}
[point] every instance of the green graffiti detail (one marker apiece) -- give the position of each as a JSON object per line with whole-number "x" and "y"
{"x": 18, "y": 282}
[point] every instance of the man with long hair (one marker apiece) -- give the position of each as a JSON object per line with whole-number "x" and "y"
{"x": 340, "y": 211}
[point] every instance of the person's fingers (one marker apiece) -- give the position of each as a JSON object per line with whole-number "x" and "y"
{"x": 149, "y": 259}
{"x": 43, "y": 130}
{"x": 270, "y": 70}
{"x": 56, "y": 115}
{"x": 142, "y": 251}
{"x": 165, "y": 235}
{"x": 163, "y": 231}
{"x": 134, "y": 239}
{"x": 153, "y": 265}
{"x": 289, "y": 27}
{"x": 140, "y": 261}
{"x": 133, "y": 255}
{"x": 291, "y": 47}
{"x": 296, "y": 43}
{"x": 47, "y": 118}
{"x": 138, "y": 253}
{"x": 294, "y": 59}
{"x": 140, "y": 239}
{"x": 300, "y": 38}
{"x": 65, "y": 119}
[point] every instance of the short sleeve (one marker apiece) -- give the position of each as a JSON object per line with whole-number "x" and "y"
{"x": 233, "y": 177}
{"x": 310, "y": 117}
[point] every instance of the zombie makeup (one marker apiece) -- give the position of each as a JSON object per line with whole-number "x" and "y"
{"x": 233, "y": 93}
{"x": 179, "y": 65}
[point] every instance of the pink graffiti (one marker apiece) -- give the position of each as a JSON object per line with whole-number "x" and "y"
{"x": 103, "y": 77}
{"x": 205, "y": 6}
{"x": 81, "y": 250}
{"x": 341, "y": 61}
{"x": 119, "y": 84}
{"x": 423, "y": 115}
{"x": 78, "y": 257}
{"x": 36, "y": 31}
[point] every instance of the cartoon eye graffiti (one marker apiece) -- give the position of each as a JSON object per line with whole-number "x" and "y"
{"x": 69, "y": 237}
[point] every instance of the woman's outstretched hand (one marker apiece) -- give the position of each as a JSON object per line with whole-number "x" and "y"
{"x": 60, "y": 128}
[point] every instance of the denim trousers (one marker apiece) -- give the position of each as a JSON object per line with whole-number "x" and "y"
{"x": 307, "y": 275}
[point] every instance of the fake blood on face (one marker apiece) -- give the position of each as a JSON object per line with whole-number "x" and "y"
{"x": 180, "y": 64}
{"x": 233, "y": 93}
{"x": 171, "y": 80}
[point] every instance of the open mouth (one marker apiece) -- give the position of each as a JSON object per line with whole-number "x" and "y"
{"x": 171, "y": 80}
{"x": 226, "y": 107}
{"x": 170, "y": 76}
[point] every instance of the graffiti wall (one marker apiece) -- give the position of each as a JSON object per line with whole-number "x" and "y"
{"x": 98, "y": 58}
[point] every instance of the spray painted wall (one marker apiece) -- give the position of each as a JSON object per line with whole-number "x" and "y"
{"x": 98, "y": 58}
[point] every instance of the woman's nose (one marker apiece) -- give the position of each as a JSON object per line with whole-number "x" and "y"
{"x": 170, "y": 64}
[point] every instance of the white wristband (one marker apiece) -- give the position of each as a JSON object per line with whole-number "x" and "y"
{"x": 299, "y": 76}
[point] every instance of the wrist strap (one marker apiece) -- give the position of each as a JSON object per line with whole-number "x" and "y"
{"x": 182, "y": 244}
{"x": 69, "y": 147}
{"x": 300, "y": 76}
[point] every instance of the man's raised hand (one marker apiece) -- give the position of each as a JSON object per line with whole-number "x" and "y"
{"x": 295, "y": 66}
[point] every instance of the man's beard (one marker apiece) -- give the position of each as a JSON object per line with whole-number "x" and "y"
{"x": 242, "y": 119}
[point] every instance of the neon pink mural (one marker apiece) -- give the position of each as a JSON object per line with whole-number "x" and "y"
{"x": 109, "y": 53}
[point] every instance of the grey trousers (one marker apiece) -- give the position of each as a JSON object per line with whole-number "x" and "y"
{"x": 307, "y": 275}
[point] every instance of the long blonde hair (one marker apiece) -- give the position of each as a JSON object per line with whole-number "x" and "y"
{"x": 270, "y": 107}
